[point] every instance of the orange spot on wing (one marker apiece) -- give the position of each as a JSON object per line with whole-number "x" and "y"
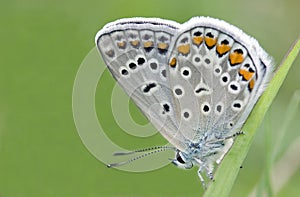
{"x": 184, "y": 49}
{"x": 197, "y": 40}
{"x": 223, "y": 48}
{"x": 246, "y": 74}
{"x": 210, "y": 42}
{"x": 173, "y": 62}
{"x": 236, "y": 58}
{"x": 135, "y": 43}
{"x": 148, "y": 44}
{"x": 251, "y": 84}
{"x": 110, "y": 53}
{"x": 162, "y": 45}
{"x": 121, "y": 44}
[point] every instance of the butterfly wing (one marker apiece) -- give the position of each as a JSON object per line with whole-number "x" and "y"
{"x": 136, "y": 51}
{"x": 217, "y": 74}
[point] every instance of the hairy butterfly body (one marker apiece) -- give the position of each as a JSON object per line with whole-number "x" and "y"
{"x": 196, "y": 82}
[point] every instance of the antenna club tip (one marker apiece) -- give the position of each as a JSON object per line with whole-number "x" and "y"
{"x": 109, "y": 165}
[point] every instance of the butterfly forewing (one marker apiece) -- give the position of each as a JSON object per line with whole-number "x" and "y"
{"x": 136, "y": 53}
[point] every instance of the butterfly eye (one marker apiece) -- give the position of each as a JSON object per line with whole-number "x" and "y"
{"x": 179, "y": 158}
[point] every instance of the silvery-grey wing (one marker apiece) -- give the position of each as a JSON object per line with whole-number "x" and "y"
{"x": 217, "y": 73}
{"x": 135, "y": 51}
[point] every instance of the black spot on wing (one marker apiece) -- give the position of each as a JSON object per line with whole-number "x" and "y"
{"x": 149, "y": 87}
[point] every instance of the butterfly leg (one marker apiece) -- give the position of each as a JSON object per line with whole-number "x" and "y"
{"x": 209, "y": 170}
{"x": 200, "y": 176}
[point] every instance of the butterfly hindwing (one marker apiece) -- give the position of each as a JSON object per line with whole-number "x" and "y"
{"x": 221, "y": 76}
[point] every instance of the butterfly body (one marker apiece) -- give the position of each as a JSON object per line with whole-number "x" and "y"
{"x": 196, "y": 82}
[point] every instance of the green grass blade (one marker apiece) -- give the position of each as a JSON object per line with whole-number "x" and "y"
{"x": 228, "y": 170}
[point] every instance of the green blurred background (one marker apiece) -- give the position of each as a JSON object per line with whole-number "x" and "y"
{"x": 42, "y": 46}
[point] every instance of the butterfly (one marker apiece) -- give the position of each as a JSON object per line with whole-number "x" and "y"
{"x": 196, "y": 82}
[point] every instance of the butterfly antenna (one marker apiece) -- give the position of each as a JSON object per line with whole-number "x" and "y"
{"x": 156, "y": 149}
{"x": 144, "y": 150}
{"x": 226, "y": 138}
